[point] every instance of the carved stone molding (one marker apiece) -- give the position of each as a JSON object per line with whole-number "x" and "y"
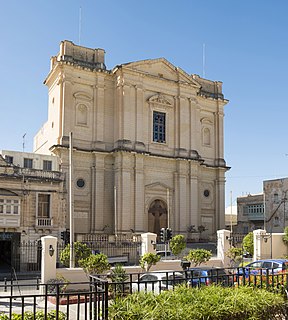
{"x": 160, "y": 99}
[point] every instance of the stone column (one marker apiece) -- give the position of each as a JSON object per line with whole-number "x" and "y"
{"x": 48, "y": 258}
{"x": 194, "y": 200}
{"x": 99, "y": 191}
{"x": 139, "y": 193}
{"x": 184, "y": 127}
{"x": 100, "y": 109}
{"x": 182, "y": 184}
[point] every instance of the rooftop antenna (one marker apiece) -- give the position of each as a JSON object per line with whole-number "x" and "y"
{"x": 23, "y": 143}
{"x": 203, "y": 60}
{"x": 80, "y": 21}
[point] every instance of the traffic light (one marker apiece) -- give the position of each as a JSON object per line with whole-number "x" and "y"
{"x": 163, "y": 235}
{"x": 169, "y": 234}
{"x": 65, "y": 236}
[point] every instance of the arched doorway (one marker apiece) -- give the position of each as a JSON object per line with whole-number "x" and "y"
{"x": 157, "y": 216}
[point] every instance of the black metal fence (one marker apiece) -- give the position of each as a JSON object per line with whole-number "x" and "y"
{"x": 51, "y": 301}
{"x": 90, "y": 300}
{"x": 27, "y": 256}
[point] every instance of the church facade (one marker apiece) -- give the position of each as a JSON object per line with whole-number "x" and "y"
{"x": 148, "y": 143}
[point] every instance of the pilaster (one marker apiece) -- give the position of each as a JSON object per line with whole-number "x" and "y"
{"x": 139, "y": 193}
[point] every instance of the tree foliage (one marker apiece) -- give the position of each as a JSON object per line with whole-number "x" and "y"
{"x": 118, "y": 277}
{"x": 198, "y": 256}
{"x": 148, "y": 260}
{"x": 177, "y": 244}
{"x": 235, "y": 254}
{"x": 285, "y": 237}
{"x": 248, "y": 244}
{"x": 95, "y": 264}
{"x": 81, "y": 251}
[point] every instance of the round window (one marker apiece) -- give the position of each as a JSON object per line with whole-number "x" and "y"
{"x": 206, "y": 193}
{"x": 80, "y": 183}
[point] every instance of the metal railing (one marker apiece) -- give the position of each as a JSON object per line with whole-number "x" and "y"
{"x": 89, "y": 301}
{"x": 26, "y": 257}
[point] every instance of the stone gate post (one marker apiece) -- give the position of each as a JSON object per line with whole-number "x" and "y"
{"x": 48, "y": 259}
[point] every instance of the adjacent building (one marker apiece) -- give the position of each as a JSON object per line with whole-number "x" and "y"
{"x": 148, "y": 143}
{"x": 32, "y": 205}
{"x": 276, "y": 216}
{"x": 250, "y": 213}
{"x": 267, "y": 210}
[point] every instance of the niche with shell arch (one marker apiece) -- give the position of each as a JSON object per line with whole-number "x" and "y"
{"x": 206, "y": 137}
{"x": 81, "y": 114}
{"x": 82, "y": 103}
{"x": 207, "y": 126}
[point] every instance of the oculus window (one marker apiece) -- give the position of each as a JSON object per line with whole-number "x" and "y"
{"x": 159, "y": 127}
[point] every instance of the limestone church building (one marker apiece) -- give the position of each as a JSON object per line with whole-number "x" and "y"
{"x": 147, "y": 143}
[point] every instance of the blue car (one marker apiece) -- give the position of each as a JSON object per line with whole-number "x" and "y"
{"x": 261, "y": 267}
{"x": 205, "y": 276}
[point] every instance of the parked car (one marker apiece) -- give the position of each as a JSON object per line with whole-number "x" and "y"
{"x": 165, "y": 254}
{"x": 158, "y": 281}
{"x": 205, "y": 276}
{"x": 261, "y": 267}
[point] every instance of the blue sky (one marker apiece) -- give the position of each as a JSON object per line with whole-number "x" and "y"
{"x": 245, "y": 47}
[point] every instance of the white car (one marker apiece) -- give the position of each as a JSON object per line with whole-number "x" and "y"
{"x": 158, "y": 281}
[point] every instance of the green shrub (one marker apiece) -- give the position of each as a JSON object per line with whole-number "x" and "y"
{"x": 198, "y": 256}
{"x": 177, "y": 244}
{"x": 212, "y": 302}
{"x": 60, "y": 281}
{"x": 285, "y": 237}
{"x": 148, "y": 260}
{"x": 81, "y": 252}
{"x": 248, "y": 244}
{"x": 118, "y": 277}
{"x": 235, "y": 254}
{"x": 95, "y": 263}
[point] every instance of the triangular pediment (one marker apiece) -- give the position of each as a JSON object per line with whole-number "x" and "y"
{"x": 161, "y": 68}
{"x": 157, "y": 186}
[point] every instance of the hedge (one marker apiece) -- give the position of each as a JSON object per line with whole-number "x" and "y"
{"x": 214, "y": 302}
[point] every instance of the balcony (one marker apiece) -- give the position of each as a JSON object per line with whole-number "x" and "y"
{"x": 36, "y": 173}
{"x": 44, "y": 222}
{"x": 255, "y": 216}
{"x": 9, "y": 220}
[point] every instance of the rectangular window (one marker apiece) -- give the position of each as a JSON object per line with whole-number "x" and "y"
{"x": 43, "y": 205}
{"x": 9, "y": 159}
{"x": 159, "y": 127}
{"x": 47, "y": 165}
{"x": 8, "y": 206}
{"x": 1, "y": 205}
{"x": 28, "y": 163}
